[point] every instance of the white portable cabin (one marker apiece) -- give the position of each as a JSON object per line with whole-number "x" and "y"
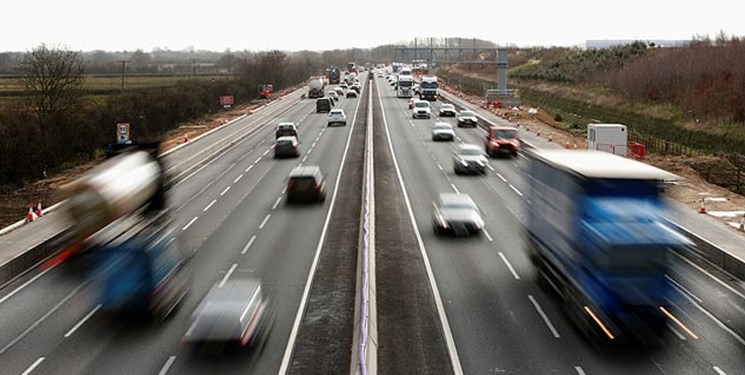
{"x": 612, "y": 138}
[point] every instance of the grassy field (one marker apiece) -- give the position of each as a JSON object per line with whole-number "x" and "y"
{"x": 11, "y": 86}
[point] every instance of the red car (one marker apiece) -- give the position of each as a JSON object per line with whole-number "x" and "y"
{"x": 502, "y": 140}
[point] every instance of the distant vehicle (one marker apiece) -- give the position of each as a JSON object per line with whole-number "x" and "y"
{"x": 285, "y": 129}
{"x": 456, "y": 214}
{"x": 394, "y": 82}
{"x": 351, "y": 67}
{"x": 265, "y": 90}
{"x": 337, "y": 116}
{"x": 356, "y": 87}
{"x": 315, "y": 87}
{"x": 468, "y": 158}
{"x": 447, "y": 110}
{"x": 344, "y": 86}
{"x": 236, "y": 312}
{"x": 306, "y": 183}
{"x": 286, "y": 146}
{"x": 323, "y": 105}
{"x": 334, "y": 76}
{"x": 339, "y": 91}
{"x": 429, "y": 88}
{"x": 596, "y": 231}
{"x": 403, "y": 89}
{"x": 502, "y": 140}
{"x": 351, "y": 94}
{"x": 333, "y": 95}
{"x": 467, "y": 118}
{"x": 421, "y": 109}
{"x": 442, "y": 131}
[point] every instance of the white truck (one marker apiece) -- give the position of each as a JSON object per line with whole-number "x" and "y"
{"x": 612, "y": 138}
{"x": 404, "y": 87}
{"x": 316, "y": 87}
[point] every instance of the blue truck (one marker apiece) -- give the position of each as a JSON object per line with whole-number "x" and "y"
{"x": 596, "y": 231}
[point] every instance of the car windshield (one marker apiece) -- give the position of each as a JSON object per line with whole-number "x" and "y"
{"x": 335, "y": 113}
{"x": 504, "y": 134}
{"x": 466, "y": 113}
{"x": 422, "y": 105}
{"x": 447, "y": 106}
{"x": 457, "y": 206}
{"x": 470, "y": 151}
{"x": 443, "y": 126}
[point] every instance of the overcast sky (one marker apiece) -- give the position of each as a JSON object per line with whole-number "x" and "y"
{"x": 324, "y": 25}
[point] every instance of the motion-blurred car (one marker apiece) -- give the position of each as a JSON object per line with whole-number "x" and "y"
{"x": 339, "y": 91}
{"x": 502, "y": 140}
{"x": 468, "y": 158}
{"x": 421, "y": 109}
{"x": 442, "y": 131}
{"x": 336, "y": 117}
{"x": 287, "y": 146}
{"x": 234, "y": 312}
{"x": 285, "y": 129}
{"x": 306, "y": 183}
{"x": 467, "y": 118}
{"x": 456, "y": 214}
{"x": 351, "y": 94}
{"x": 333, "y": 95}
{"x": 447, "y": 110}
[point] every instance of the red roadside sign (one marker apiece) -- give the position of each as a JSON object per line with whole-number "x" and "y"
{"x": 226, "y": 100}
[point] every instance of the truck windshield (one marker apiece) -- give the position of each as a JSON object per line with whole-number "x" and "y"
{"x": 429, "y": 85}
{"x": 404, "y": 83}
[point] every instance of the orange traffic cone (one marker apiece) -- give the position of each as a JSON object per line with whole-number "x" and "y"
{"x": 31, "y": 216}
{"x": 741, "y": 228}
{"x": 702, "y": 209}
{"x": 186, "y": 138}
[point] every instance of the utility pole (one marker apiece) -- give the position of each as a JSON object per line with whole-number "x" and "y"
{"x": 123, "y": 69}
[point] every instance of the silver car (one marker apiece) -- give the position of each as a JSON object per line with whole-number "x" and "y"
{"x": 442, "y": 131}
{"x": 456, "y": 214}
{"x": 467, "y": 118}
{"x": 447, "y": 110}
{"x": 421, "y": 109}
{"x": 469, "y": 158}
{"x": 234, "y": 312}
{"x": 336, "y": 116}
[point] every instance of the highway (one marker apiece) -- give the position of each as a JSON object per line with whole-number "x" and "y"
{"x": 448, "y": 305}
{"x": 501, "y": 320}
{"x": 230, "y": 217}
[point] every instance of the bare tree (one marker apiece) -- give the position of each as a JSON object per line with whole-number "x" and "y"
{"x": 53, "y": 77}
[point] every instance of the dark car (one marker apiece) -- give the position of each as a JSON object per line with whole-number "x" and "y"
{"x": 286, "y": 147}
{"x": 306, "y": 184}
{"x": 234, "y": 312}
{"x": 457, "y": 214}
{"x": 323, "y": 105}
{"x": 285, "y": 129}
{"x": 502, "y": 140}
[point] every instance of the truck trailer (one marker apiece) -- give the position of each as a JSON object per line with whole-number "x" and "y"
{"x": 596, "y": 231}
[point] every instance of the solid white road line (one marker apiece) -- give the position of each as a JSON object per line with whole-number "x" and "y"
{"x": 248, "y": 245}
{"x": 516, "y": 191}
{"x": 502, "y": 178}
{"x": 544, "y": 316}
{"x": 32, "y": 367}
{"x": 277, "y": 203}
{"x": 488, "y": 237}
{"x": 306, "y": 291}
{"x": 579, "y": 370}
{"x": 490, "y": 167}
{"x": 257, "y": 160}
{"x": 82, "y": 321}
{"x": 190, "y": 223}
{"x": 675, "y": 331}
{"x": 715, "y": 320}
{"x": 266, "y": 152}
{"x": 683, "y": 289}
{"x": 227, "y": 275}
{"x": 249, "y": 168}
{"x": 43, "y": 318}
{"x": 263, "y": 223}
{"x": 225, "y": 191}
{"x": 209, "y": 205}
{"x": 238, "y": 179}
{"x": 455, "y": 188}
{"x": 449, "y": 340}
{"x": 705, "y": 272}
{"x": 167, "y": 365}
{"x": 27, "y": 283}
{"x": 719, "y": 371}
{"x": 509, "y": 265}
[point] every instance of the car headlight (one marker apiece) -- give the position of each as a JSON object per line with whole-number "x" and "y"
{"x": 464, "y": 163}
